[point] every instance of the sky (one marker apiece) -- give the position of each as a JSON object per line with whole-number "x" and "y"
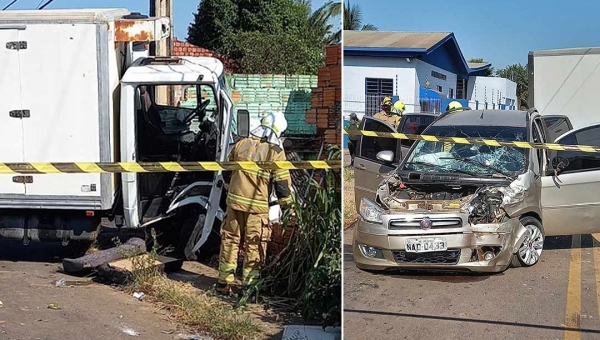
{"x": 183, "y": 10}
{"x": 499, "y": 31}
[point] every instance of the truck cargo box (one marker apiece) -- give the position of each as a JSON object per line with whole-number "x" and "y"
{"x": 60, "y": 101}
{"x": 566, "y": 82}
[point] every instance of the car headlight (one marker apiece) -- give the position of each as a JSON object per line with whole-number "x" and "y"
{"x": 370, "y": 211}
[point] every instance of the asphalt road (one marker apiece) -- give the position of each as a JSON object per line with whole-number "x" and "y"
{"x": 558, "y": 298}
{"x": 96, "y": 311}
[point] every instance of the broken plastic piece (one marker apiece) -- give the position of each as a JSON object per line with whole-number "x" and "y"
{"x": 130, "y": 331}
{"x": 61, "y": 283}
{"x": 138, "y": 295}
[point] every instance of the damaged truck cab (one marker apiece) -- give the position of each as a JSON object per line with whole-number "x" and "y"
{"x": 461, "y": 206}
{"x": 105, "y": 100}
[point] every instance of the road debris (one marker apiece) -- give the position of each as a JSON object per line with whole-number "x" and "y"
{"x": 191, "y": 337}
{"x": 130, "y": 331}
{"x": 1, "y": 304}
{"x": 134, "y": 246}
{"x": 53, "y": 306}
{"x": 70, "y": 283}
{"x": 138, "y": 295}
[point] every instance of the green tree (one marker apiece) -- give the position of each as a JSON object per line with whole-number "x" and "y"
{"x": 353, "y": 19}
{"x": 488, "y": 72}
{"x": 214, "y": 25}
{"x": 265, "y": 36}
{"x": 518, "y": 74}
{"x": 321, "y": 19}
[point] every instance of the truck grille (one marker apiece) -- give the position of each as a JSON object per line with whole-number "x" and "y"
{"x": 415, "y": 223}
{"x": 437, "y": 257}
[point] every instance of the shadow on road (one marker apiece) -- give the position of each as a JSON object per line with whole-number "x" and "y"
{"x": 34, "y": 252}
{"x": 480, "y": 321}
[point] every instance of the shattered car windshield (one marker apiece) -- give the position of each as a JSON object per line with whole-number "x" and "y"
{"x": 450, "y": 157}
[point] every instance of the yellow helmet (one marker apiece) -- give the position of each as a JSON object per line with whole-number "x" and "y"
{"x": 399, "y": 106}
{"x": 386, "y": 101}
{"x": 454, "y": 106}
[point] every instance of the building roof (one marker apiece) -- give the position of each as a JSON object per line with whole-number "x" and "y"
{"x": 478, "y": 65}
{"x": 186, "y": 70}
{"x": 406, "y": 40}
{"x": 437, "y": 48}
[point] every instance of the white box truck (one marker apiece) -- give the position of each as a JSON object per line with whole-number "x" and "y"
{"x": 566, "y": 82}
{"x": 79, "y": 86}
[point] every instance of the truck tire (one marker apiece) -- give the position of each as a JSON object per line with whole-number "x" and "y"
{"x": 187, "y": 236}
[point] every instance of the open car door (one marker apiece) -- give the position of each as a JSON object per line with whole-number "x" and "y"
{"x": 556, "y": 126}
{"x": 367, "y": 168}
{"x": 570, "y": 200}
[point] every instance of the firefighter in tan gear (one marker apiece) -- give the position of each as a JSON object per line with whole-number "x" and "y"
{"x": 386, "y": 114}
{"x": 247, "y": 216}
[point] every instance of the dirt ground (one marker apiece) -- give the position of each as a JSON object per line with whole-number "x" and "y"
{"x": 91, "y": 311}
{"x": 350, "y": 214}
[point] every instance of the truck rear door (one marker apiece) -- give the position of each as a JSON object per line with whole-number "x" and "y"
{"x": 11, "y": 121}
{"x": 367, "y": 168}
{"x": 60, "y": 84}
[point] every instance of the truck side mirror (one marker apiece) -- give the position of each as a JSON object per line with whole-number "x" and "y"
{"x": 243, "y": 123}
{"x": 386, "y": 156}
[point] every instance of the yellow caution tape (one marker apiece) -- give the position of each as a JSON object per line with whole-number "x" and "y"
{"x": 478, "y": 141}
{"x": 69, "y": 168}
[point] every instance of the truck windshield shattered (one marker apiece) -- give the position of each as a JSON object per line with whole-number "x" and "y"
{"x": 441, "y": 157}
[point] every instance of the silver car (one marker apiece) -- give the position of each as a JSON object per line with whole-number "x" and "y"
{"x": 473, "y": 207}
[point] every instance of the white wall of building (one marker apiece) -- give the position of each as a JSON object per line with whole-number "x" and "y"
{"x": 424, "y": 73}
{"x": 493, "y": 90}
{"x": 357, "y": 69}
{"x": 408, "y": 76}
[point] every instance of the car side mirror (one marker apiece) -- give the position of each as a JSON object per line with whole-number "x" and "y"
{"x": 243, "y": 123}
{"x": 386, "y": 156}
{"x": 559, "y": 164}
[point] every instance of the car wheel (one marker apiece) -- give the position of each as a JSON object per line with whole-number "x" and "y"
{"x": 531, "y": 249}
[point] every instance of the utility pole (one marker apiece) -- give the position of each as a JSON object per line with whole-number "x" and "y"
{"x": 164, "y": 47}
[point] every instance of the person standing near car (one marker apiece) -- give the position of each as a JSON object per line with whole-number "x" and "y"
{"x": 386, "y": 115}
{"x": 353, "y": 126}
{"x": 248, "y": 195}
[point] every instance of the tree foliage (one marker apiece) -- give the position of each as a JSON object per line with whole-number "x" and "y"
{"x": 518, "y": 74}
{"x": 265, "y": 36}
{"x": 353, "y": 19}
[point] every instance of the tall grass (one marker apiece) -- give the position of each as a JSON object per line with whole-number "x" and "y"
{"x": 309, "y": 269}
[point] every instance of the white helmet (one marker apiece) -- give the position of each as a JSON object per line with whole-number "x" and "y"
{"x": 275, "y": 121}
{"x": 271, "y": 127}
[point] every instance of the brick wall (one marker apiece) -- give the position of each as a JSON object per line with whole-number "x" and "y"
{"x": 184, "y": 49}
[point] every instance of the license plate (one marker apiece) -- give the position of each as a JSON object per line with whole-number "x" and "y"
{"x": 423, "y": 245}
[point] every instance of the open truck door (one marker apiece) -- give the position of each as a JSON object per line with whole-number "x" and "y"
{"x": 368, "y": 168}
{"x": 570, "y": 200}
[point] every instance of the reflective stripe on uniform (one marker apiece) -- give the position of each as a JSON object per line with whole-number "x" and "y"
{"x": 282, "y": 175}
{"x": 250, "y": 276}
{"x": 247, "y": 201}
{"x": 227, "y": 272}
{"x": 259, "y": 173}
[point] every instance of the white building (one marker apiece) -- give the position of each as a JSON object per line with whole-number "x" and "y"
{"x": 492, "y": 90}
{"x": 424, "y": 70}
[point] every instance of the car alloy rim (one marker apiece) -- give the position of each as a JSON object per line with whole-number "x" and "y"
{"x": 532, "y": 246}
